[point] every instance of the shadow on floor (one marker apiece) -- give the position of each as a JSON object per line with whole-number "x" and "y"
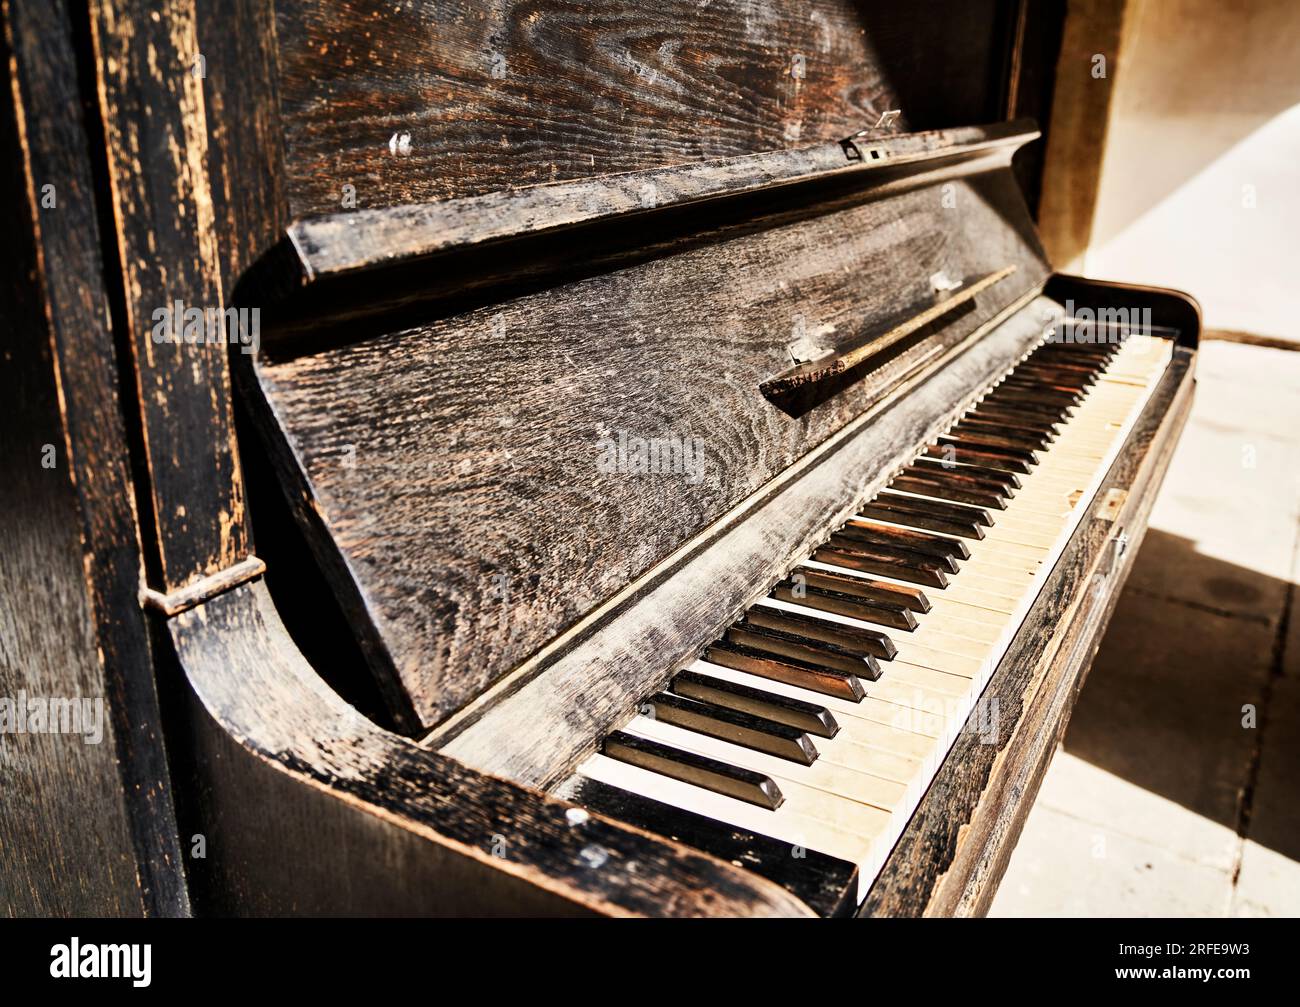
{"x": 1194, "y": 646}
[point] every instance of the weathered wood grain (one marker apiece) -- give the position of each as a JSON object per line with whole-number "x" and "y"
{"x": 1080, "y": 113}
{"x": 542, "y": 719}
{"x": 1031, "y": 85}
{"x": 86, "y": 829}
{"x": 451, "y": 475}
{"x": 245, "y": 138}
{"x": 155, "y": 132}
{"x": 365, "y": 240}
{"x": 436, "y": 99}
{"x": 347, "y": 277}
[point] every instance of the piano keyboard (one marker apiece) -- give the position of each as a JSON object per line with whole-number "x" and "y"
{"x": 821, "y": 716}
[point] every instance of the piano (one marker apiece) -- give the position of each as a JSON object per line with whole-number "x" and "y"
{"x": 556, "y": 459}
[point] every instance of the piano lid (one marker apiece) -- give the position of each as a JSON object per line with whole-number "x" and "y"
{"x": 478, "y": 476}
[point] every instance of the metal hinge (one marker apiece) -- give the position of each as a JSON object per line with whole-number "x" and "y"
{"x": 1119, "y": 546}
{"x": 202, "y": 590}
{"x": 855, "y": 150}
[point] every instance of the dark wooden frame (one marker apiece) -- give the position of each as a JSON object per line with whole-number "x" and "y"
{"x": 365, "y": 820}
{"x": 87, "y": 830}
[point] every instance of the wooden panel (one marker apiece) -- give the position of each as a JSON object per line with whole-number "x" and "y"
{"x": 456, "y": 467}
{"x": 155, "y": 132}
{"x": 87, "y": 828}
{"x": 434, "y": 99}
{"x": 245, "y": 139}
{"x": 1032, "y": 85}
{"x": 343, "y": 277}
{"x": 366, "y": 241}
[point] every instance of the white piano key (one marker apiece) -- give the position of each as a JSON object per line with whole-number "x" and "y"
{"x": 827, "y": 777}
{"x": 784, "y": 824}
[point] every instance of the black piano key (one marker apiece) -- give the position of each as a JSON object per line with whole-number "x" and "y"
{"x": 734, "y": 726}
{"x": 1011, "y": 436}
{"x": 909, "y": 553}
{"x": 925, "y": 574}
{"x": 1071, "y": 381}
{"x": 947, "y": 491}
{"x": 866, "y": 587}
{"x": 1070, "y": 375}
{"x": 730, "y": 781}
{"x": 954, "y": 510}
{"x": 1027, "y": 404}
{"x": 1075, "y": 351}
{"x": 1061, "y": 381}
{"x": 809, "y": 717}
{"x": 826, "y": 884}
{"x": 856, "y": 638}
{"x": 951, "y": 519}
{"x": 1107, "y": 338}
{"x": 1043, "y": 389}
{"x": 1035, "y": 395}
{"x": 892, "y": 615}
{"x": 1067, "y": 365}
{"x": 964, "y": 476}
{"x": 814, "y": 652}
{"x": 910, "y": 598}
{"x": 973, "y": 456}
{"x": 1011, "y": 414}
{"x": 1011, "y": 417}
{"x": 1028, "y": 382}
{"x": 1015, "y": 425}
{"x": 975, "y": 442}
{"x": 970, "y": 474}
{"x": 1080, "y": 377}
{"x": 1081, "y": 336}
{"x": 841, "y": 684}
{"x": 908, "y": 538}
{"x": 1078, "y": 370}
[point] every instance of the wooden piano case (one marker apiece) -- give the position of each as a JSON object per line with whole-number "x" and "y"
{"x": 388, "y": 597}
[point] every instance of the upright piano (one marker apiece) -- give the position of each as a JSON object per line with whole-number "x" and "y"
{"x": 555, "y": 458}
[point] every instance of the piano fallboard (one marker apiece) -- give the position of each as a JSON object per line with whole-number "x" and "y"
{"x": 500, "y": 442}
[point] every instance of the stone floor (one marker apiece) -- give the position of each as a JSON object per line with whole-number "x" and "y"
{"x": 1177, "y": 790}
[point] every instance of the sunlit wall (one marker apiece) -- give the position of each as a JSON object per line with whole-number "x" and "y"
{"x": 1200, "y": 176}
